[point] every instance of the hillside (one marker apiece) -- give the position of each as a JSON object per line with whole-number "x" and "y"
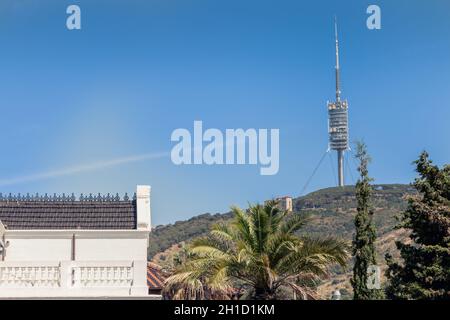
{"x": 165, "y": 236}
{"x": 332, "y": 210}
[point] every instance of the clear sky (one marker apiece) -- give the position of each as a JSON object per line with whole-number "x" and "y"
{"x": 92, "y": 110}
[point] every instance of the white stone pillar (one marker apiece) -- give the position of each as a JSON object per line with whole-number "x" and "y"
{"x": 139, "y": 287}
{"x": 143, "y": 208}
{"x": 65, "y": 271}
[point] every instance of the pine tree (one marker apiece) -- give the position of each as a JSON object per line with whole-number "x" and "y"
{"x": 425, "y": 270}
{"x": 364, "y": 241}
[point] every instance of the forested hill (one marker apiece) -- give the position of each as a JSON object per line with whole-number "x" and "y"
{"x": 333, "y": 210}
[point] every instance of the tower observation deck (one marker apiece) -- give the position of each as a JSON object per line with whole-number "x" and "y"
{"x": 338, "y": 120}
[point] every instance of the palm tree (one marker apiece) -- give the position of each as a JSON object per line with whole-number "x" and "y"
{"x": 260, "y": 252}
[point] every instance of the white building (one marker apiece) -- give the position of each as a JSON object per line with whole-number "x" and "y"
{"x": 62, "y": 247}
{"x": 283, "y": 203}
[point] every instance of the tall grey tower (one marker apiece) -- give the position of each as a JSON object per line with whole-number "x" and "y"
{"x": 338, "y": 119}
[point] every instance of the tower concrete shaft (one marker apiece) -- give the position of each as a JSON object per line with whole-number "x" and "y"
{"x": 340, "y": 157}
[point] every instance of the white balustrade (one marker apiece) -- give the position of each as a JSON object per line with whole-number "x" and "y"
{"x": 30, "y": 276}
{"x": 101, "y": 276}
{"x": 78, "y": 273}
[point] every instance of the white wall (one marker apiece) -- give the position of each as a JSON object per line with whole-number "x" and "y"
{"x": 111, "y": 249}
{"x": 44, "y": 279}
{"x": 38, "y": 249}
{"x": 96, "y": 248}
{"x": 90, "y": 245}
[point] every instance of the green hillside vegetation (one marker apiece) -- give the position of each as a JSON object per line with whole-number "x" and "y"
{"x": 165, "y": 236}
{"x": 258, "y": 253}
{"x": 333, "y": 209}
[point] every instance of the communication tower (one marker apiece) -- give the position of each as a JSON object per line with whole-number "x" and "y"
{"x": 338, "y": 120}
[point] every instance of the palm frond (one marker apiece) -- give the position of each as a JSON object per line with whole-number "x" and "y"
{"x": 304, "y": 293}
{"x": 295, "y": 222}
{"x": 184, "y": 286}
{"x": 212, "y": 241}
{"x": 260, "y": 251}
{"x": 315, "y": 255}
{"x": 242, "y": 225}
{"x": 223, "y": 231}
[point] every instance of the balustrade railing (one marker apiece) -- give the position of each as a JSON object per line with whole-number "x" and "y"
{"x": 77, "y": 274}
{"x": 30, "y": 276}
{"x": 92, "y": 276}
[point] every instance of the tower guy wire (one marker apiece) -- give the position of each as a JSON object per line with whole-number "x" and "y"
{"x": 313, "y": 173}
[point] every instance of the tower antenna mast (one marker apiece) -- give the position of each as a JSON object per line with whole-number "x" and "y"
{"x": 338, "y": 89}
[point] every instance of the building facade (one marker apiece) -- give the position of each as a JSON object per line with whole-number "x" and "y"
{"x": 94, "y": 246}
{"x": 285, "y": 203}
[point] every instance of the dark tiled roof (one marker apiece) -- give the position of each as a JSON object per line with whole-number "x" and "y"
{"x": 67, "y": 214}
{"x": 155, "y": 278}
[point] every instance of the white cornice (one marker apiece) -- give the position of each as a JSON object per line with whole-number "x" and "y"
{"x": 80, "y": 234}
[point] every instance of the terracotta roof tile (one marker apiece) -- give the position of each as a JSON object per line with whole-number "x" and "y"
{"x": 155, "y": 278}
{"x": 23, "y": 214}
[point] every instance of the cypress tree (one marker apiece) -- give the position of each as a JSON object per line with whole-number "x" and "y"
{"x": 424, "y": 272}
{"x": 364, "y": 241}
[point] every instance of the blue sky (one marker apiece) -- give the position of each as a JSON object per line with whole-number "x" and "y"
{"x": 78, "y": 107}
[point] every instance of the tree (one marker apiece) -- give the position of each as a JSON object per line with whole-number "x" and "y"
{"x": 424, "y": 272}
{"x": 259, "y": 252}
{"x": 364, "y": 241}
